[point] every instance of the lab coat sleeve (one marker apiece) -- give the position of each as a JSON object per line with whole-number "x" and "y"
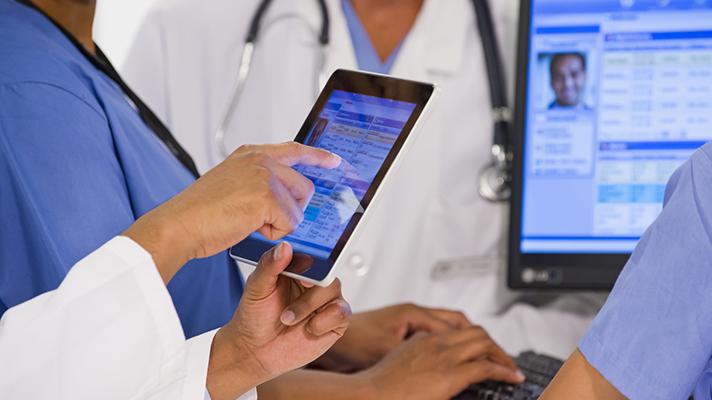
{"x": 109, "y": 331}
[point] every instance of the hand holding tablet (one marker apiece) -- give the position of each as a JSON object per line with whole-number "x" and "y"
{"x": 368, "y": 120}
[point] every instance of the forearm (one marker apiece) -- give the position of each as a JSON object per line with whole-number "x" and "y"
{"x": 578, "y": 379}
{"x": 341, "y": 359}
{"x": 315, "y": 385}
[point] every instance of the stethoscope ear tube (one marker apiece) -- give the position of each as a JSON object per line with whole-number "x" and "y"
{"x": 246, "y": 65}
{"x": 242, "y": 74}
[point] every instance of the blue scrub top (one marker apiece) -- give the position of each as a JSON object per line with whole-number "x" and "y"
{"x": 77, "y": 167}
{"x": 653, "y": 338}
{"x": 366, "y": 55}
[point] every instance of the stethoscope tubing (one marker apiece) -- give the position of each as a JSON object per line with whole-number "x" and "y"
{"x": 495, "y": 178}
{"x": 245, "y": 67}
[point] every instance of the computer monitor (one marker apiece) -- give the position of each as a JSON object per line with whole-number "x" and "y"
{"x": 612, "y": 96}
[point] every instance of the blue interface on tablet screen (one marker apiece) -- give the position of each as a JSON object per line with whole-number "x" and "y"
{"x": 362, "y": 130}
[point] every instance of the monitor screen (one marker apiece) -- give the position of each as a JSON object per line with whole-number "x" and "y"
{"x": 362, "y": 130}
{"x": 618, "y": 95}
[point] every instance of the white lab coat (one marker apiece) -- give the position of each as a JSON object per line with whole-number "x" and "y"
{"x": 184, "y": 64}
{"x": 109, "y": 331}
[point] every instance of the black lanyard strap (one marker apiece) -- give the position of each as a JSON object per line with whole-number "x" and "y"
{"x": 149, "y": 117}
{"x": 102, "y": 63}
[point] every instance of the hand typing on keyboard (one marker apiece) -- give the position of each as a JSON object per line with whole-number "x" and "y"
{"x": 438, "y": 366}
{"x": 539, "y": 370}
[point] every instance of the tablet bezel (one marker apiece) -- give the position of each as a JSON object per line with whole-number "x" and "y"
{"x": 320, "y": 269}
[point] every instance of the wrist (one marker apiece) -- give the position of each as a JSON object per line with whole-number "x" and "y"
{"x": 336, "y": 359}
{"x": 159, "y": 236}
{"x": 232, "y": 370}
{"x": 365, "y": 383}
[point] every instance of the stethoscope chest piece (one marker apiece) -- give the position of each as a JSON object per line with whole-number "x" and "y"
{"x": 494, "y": 183}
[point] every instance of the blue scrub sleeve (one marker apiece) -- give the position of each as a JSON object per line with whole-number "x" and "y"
{"x": 62, "y": 192}
{"x": 652, "y": 339}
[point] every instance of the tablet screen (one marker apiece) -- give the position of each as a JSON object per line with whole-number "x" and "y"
{"x": 366, "y": 119}
{"x": 362, "y": 130}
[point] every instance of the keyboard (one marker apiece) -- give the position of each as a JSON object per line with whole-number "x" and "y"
{"x": 539, "y": 370}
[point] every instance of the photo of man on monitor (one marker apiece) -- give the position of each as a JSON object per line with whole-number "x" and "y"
{"x": 568, "y": 79}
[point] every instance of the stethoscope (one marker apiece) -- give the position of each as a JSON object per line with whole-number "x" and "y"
{"x": 494, "y": 178}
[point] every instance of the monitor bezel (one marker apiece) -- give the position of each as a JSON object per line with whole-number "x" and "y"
{"x": 572, "y": 271}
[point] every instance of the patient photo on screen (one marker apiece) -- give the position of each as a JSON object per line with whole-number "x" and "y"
{"x": 317, "y": 131}
{"x": 566, "y": 80}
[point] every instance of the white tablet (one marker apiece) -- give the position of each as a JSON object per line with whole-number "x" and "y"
{"x": 369, "y": 120}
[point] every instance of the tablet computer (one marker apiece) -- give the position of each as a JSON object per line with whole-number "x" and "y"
{"x": 369, "y": 120}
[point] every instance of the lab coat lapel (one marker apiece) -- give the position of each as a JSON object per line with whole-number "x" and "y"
{"x": 340, "y": 53}
{"x": 436, "y": 43}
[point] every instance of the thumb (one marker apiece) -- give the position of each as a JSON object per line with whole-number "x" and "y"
{"x": 263, "y": 281}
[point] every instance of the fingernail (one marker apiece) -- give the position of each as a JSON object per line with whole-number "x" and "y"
{"x": 346, "y": 307}
{"x": 277, "y": 252}
{"x": 520, "y": 376}
{"x": 337, "y": 159}
{"x": 287, "y": 317}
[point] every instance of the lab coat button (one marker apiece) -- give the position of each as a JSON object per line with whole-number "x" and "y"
{"x": 357, "y": 263}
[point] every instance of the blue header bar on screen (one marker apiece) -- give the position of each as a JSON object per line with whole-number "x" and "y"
{"x": 608, "y": 6}
{"x": 645, "y": 36}
{"x": 362, "y": 98}
{"x": 667, "y": 145}
{"x": 543, "y": 30}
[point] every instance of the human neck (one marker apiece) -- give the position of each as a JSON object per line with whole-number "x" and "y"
{"x": 387, "y": 22}
{"x": 75, "y": 16}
